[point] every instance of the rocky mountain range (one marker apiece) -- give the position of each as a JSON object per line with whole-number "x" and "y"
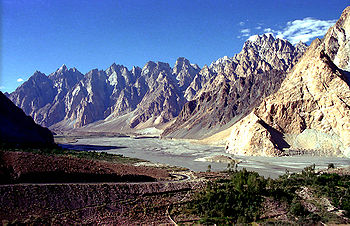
{"x": 67, "y": 99}
{"x": 130, "y": 100}
{"x": 311, "y": 110}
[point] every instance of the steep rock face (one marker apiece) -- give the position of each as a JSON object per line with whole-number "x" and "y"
{"x": 63, "y": 79}
{"x": 127, "y": 92}
{"x": 163, "y": 99}
{"x": 88, "y": 100}
{"x": 185, "y": 72}
{"x": 231, "y": 87}
{"x": 203, "y": 77}
{"x": 35, "y": 94}
{"x": 337, "y": 42}
{"x": 312, "y": 107}
{"x": 214, "y": 109}
{"x": 17, "y": 127}
{"x": 220, "y": 94}
{"x": 251, "y": 133}
{"x": 42, "y": 97}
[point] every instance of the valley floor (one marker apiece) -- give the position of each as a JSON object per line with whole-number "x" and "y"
{"x": 92, "y": 183}
{"x": 198, "y": 157}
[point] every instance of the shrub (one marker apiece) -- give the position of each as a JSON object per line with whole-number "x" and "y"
{"x": 237, "y": 200}
{"x": 297, "y": 209}
{"x": 331, "y": 166}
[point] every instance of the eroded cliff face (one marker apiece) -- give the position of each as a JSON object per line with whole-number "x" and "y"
{"x": 88, "y": 100}
{"x": 163, "y": 99}
{"x": 230, "y": 88}
{"x": 311, "y": 110}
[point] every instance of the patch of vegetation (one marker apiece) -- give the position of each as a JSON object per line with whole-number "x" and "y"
{"x": 235, "y": 200}
{"x": 58, "y": 151}
{"x": 240, "y": 198}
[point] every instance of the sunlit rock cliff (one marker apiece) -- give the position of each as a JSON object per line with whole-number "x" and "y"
{"x": 311, "y": 110}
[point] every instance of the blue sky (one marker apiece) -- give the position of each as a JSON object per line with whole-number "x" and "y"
{"x": 44, "y": 34}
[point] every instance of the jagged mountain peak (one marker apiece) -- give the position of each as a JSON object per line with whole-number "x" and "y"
{"x": 111, "y": 68}
{"x": 184, "y": 72}
{"x": 336, "y": 42}
{"x": 151, "y": 64}
{"x": 136, "y": 71}
{"x": 63, "y": 68}
{"x": 61, "y": 71}
{"x": 148, "y": 92}
{"x": 267, "y": 40}
{"x": 64, "y": 72}
{"x": 221, "y": 61}
{"x": 134, "y": 68}
{"x": 38, "y": 75}
{"x": 344, "y": 19}
{"x": 119, "y": 76}
{"x": 95, "y": 72}
{"x": 152, "y": 69}
{"x": 261, "y": 40}
{"x": 116, "y": 67}
{"x": 234, "y": 85}
{"x": 182, "y": 61}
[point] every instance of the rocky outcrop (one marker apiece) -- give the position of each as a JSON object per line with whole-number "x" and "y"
{"x": 312, "y": 108}
{"x": 88, "y": 100}
{"x": 163, "y": 99}
{"x": 18, "y": 128}
{"x": 127, "y": 90}
{"x": 185, "y": 72}
{"x": 230, "y": 88}
{"x": 198, "y": 82}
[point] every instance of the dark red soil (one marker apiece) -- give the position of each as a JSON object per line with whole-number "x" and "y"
{"x": 19, "y": 167}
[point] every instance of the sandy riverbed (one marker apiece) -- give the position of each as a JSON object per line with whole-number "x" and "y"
{"x": 193, "y": 156}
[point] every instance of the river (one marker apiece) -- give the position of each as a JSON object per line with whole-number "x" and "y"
{"x": 191, "y": 156}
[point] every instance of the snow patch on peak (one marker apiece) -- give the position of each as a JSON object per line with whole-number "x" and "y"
{"x": 253, "y": 38}
{"x": 63, "y": 68}
{"x": 257, "y": 38}
{"x": 222, "y": 60}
